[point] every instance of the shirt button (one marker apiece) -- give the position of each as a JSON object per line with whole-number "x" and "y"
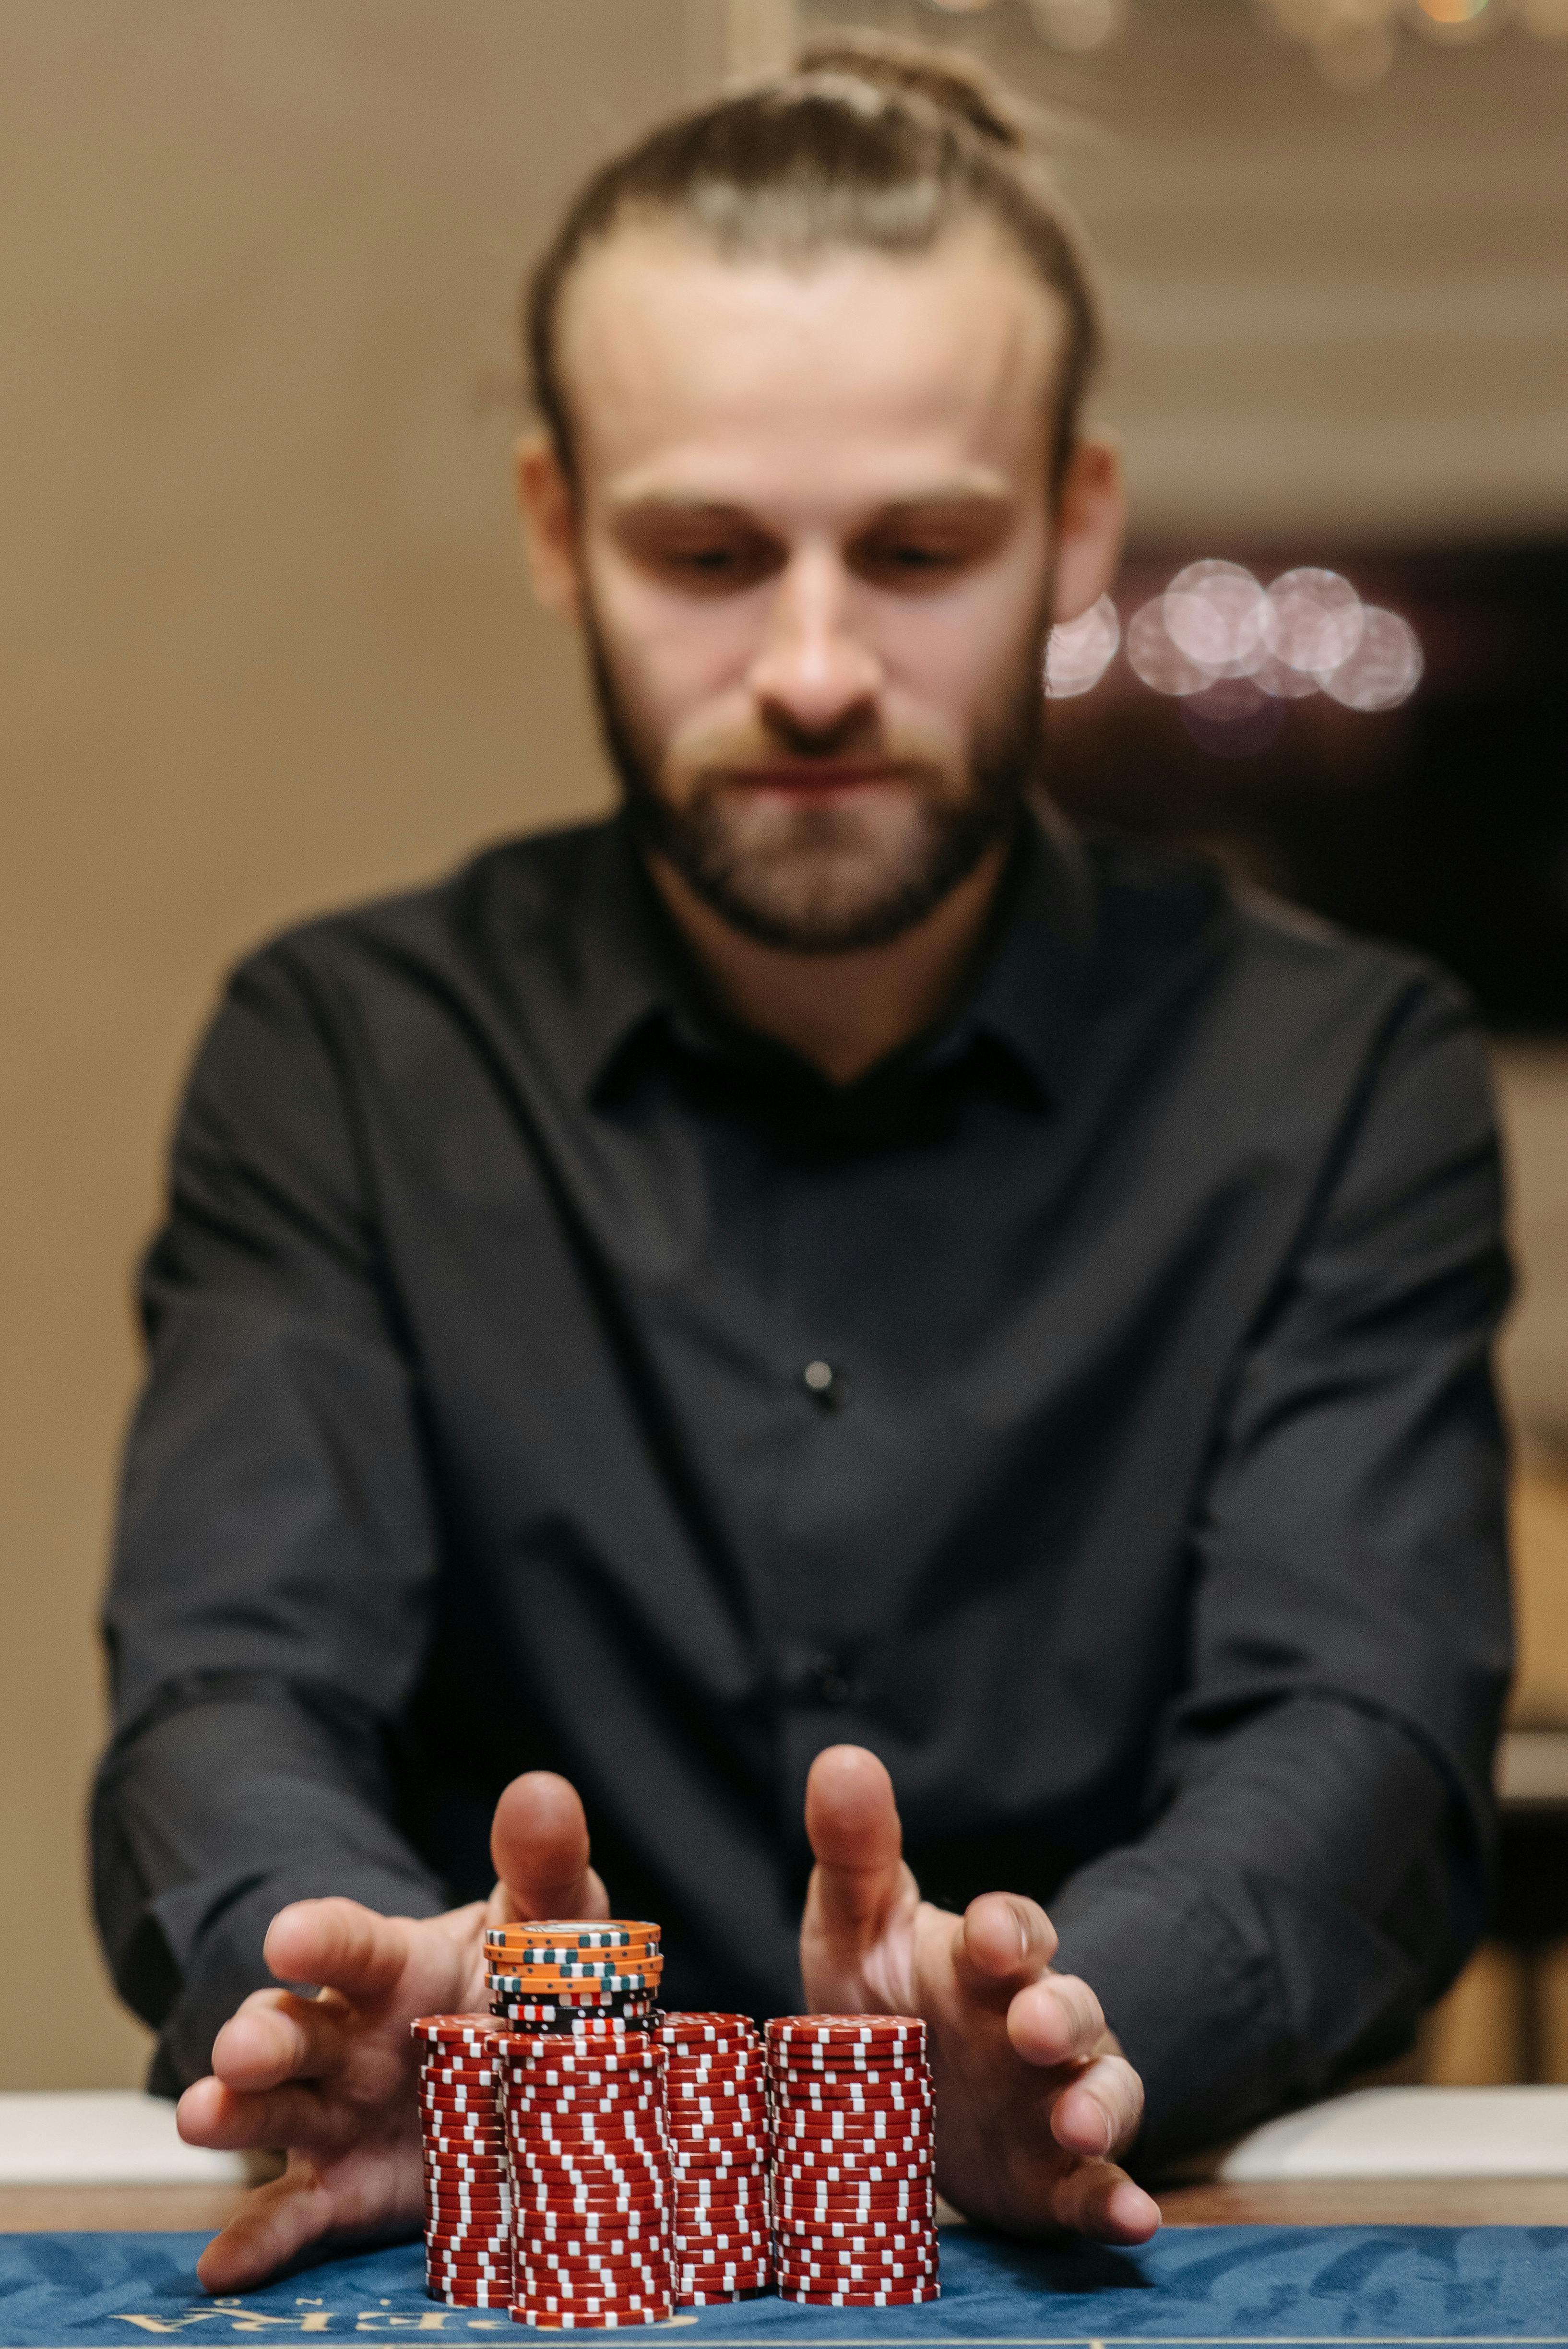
{"x": 823, "y": 1384}
{"x": 830, "y": 1681}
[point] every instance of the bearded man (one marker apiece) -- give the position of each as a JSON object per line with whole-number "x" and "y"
{"x": 823, "y": 1315}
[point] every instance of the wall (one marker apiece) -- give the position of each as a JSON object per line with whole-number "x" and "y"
{"x": 267, "y": 647}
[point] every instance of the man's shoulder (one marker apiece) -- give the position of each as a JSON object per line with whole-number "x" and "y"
{"x": 520, "y": 895}
{"x": 1164, "y": 913}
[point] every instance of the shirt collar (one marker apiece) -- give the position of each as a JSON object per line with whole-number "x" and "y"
{"x": 633, "y": 977}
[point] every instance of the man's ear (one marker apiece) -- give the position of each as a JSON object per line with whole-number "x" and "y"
{"x": 549, "y": 508}
{"x": 1091, "y": 517}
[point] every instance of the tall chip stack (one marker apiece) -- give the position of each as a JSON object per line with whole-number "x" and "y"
{"x": 583, "y": 2103}
{"x": 716, "y": 2092}
{"x": 467, "y": 2178}
{"x": 854, "y": 2140}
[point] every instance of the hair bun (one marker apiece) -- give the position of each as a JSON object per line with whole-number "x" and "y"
{"x": 955, "y": 83}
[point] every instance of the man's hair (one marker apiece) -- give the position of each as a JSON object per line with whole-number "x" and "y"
{"x": 870, "y": 145}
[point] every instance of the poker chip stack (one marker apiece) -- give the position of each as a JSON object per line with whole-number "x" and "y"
{"x": 467, "y": 2181}
{"x": 566, "y": 1975}
{"x": 583, "y": 2102}
{"x": 854, "y": 2125}
{"x": 715, "y": 2093}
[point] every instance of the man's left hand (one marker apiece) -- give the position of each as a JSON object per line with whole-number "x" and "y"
{"x": 1034, "y": 2098}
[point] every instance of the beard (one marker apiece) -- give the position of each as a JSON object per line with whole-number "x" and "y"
{"x": 829, "y": 880}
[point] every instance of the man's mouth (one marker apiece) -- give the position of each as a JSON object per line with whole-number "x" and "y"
{"x": 802, "y": 779}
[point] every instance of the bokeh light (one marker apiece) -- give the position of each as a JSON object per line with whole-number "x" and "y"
{"x": 1233, "y": 651}
{"x": 1312, "y": 620}
{"x": 1384, "y": 668}
{"x": 1079, "y": 652}
{"x": 1215, "y": 613}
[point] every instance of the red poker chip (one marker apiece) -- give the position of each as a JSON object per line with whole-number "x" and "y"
{"x": 715, "y": 2063}
{"x": 917, "y": 2203}
{"x": 878, "y": 2161}
{"x": 582, "y": 2104}
{"x": 448, "y": 2271}
{"x": 604, "y": 2184}
{"x": 746, "y": 2280}
{"x": 807, "y": 2029}
{"x": 812, "y": 2237}
{"x": 707, "y": 2034}
{"x": 632, "y": 2172}
{"x": 488, "y": 2227}
{"x": 566, "y": 2190}
{"x": 448, "y": 2211}
{"x": 793, "y": 2252}
{"x": 688, "y": 2112}
{"x": 464, "y": 2296}
{"x": 914, "y": 2267}
{"x": 620, "y": 2271}
{"x": 652, "y": 2245}
{"x": 857, "y": 2144}
{"x": 561, "y": 2203}
{"x": 596, "y": 2303}
{"x": 880, "y": 2099}
{"x": 859, "y": 2120}
{"x": 522, "y": 2314}
{"x": 821, "y": 2118}
{"x": 860, "y": 2133}
{"x": 901, "y": 2296}
{"x": 590, "y": 2129}
{"x": 615, "y": 2275}
{"x": 480, "y": 2169}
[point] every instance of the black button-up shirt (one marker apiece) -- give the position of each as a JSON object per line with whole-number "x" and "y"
{"x": 1090, "y": 1411}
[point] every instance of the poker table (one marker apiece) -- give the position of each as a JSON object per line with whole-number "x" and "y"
{"x": 1405, "y": 2265}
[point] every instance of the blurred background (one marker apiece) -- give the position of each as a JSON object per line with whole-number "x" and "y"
{"x": 269, "y": 647}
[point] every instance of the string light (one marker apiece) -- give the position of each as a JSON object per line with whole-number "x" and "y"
{"x": 1079, "y": 652}
{"x": 1233, "y": 650}
{"x": 1353, "y": 42}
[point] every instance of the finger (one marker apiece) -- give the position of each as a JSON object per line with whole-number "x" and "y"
{"x": 275, "y": 2037}
{"x": 539, "y": 1844}
{"x": 1057, "y": 2020}
{"x": 1006, "y": 1943}
{"x": 210, "y": 2114}
{"x": 340, "y": 1945}
{"x": 852, "y": 1823}
{"x": 1099, "y": 2112}
{"x": 274, "y": 2224}
{"x": 1097, "y": 2199}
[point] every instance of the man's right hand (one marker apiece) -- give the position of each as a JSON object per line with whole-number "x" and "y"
{"x": 330, "y": 2079}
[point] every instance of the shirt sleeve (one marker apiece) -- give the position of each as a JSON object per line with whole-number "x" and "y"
{"x": 1316, "y": 1865}
{"x": 269, "y": 1606}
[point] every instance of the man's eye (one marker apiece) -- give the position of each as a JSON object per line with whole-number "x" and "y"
{"x": 912, "y": 555}
{"x": 716, "y": 564}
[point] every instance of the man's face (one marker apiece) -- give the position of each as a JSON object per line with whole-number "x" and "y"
{"x": 813, "y": 555}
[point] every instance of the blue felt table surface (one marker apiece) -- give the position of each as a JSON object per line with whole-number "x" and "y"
{"x": 1193, "y": 2285}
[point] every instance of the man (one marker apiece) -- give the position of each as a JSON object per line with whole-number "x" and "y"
{"x": 824, "y": 1297}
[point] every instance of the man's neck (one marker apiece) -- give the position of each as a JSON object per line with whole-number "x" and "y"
{"x": 841, "y": 1012}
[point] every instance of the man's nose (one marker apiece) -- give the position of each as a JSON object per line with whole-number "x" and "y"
{"x": 815, "y": 671}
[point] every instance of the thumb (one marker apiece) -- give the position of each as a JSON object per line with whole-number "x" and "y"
{"x": 539, "y": 1843}
{"x": 852, "y": 1823}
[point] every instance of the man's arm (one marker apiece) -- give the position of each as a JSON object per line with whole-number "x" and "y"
{"x": 267, "y": 1612}
{"x": 1315, "y": 1868}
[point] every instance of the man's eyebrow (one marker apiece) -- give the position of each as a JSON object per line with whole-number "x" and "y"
{"x": 955, "y": 496}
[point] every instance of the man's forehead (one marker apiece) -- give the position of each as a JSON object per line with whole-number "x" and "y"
{"x": 687, "y": 374}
